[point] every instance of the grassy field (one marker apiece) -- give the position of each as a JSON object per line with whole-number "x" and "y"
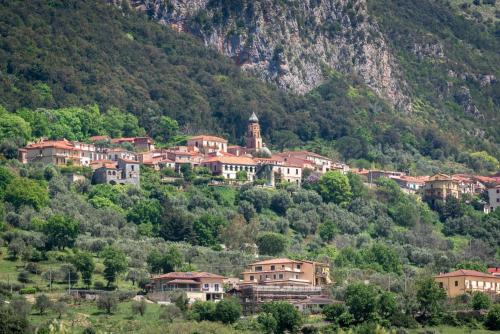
{"x": 450, "y": 330}
{"x": 86, "y": 314}
{"x": 10, "y": 269}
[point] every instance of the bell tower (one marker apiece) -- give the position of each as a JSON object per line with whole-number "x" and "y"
{"x": 254, "y": 140}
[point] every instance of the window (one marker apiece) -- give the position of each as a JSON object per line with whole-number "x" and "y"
{"x": 298, "y": 266}
{"x": 258, "y": 268}
{"x": 282, "y": 266}
{"x": 273, "y": 268}
{"x": 296, "y": 172}
{"x": 280, "y": 276}
{"x": 205, "y": 286}
{"x": 132, "y": 167}
{"x": 216, "y": 286}
{"x": 498, "y": 191}
{"x": 288, "y": 170}
{"x": 252, "y": 278}
{"x": 274, "y": 276}
{"x": 296, "y": 276}
{"x": 456, "y": 283}
{"x": 441, "y": 285}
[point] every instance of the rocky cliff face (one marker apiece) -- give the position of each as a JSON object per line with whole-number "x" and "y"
{"x": 291, "y": 43}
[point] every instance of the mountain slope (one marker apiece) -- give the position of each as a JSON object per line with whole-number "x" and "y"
{"x": 419, "y": 55}
{"x": 70, "y": 53}
{"x": 291, "y": 42}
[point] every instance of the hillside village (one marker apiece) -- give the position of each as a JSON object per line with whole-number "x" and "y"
{"x": 118, "y": 161}
{"x": 304, "y": 284}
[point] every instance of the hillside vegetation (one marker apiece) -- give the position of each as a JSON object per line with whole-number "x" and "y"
{"x": 59, "y": 54}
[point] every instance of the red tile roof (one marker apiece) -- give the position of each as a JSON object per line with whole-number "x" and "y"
{"x": 465, "y": 272}
{"x": 98, "y": 138}
{"x": 184, "y": 281}
{"x": 188, "y": 275}
{"x": 274, "y": 261}
{"x": 62, "y": 144}
{"x": 242, "y": 160}
{"x": 494, "y": 271}
{"x": 209, "y": 138}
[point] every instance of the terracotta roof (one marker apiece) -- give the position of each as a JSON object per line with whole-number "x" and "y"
{"x": 183, "y": 281}
{"x": 98, "y": 138}
{"x": 441, "y": 177}
{"x": 306, "y": 153}
{"x": 209, "y": 138}
{"x": 130, "y": 139}
{"x": 465, "y": 272}
{"x": 129, "y": 161}
{"x": 62, "y": 144}
{"x": 103, "y": 163}
{"x": 188, "y": 275}
{"x": 274, "y": 261}
{"x": 495, "y": 270}
{"x": 165, "y": 161}
{"x": 231, "y": 160}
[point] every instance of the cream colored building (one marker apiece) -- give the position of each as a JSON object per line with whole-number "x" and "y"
{"x": 208, "y": 144}
{"x": 320, "y": 163}
{"x": 61, "y": 152}
{"x": 229, "y": 166}
{"x": 440, "y": 186}
{"x": 197, "y": 285}
{"x": 464, "y": 281}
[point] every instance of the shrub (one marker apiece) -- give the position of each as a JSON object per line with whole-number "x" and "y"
{"x": 480, "y": 301}
{"x": 107, "y": 302}
{"x": 170, "y": 312}
{"x": 227, "y": 311}
{"x": 203, "y": 310}
{"x": 139, "y": 307}
{"x": 27, "y": 291}
{"x": 493, "y": 318}
{"x": 24, "y": 277}
{"x": 42, "y": 303}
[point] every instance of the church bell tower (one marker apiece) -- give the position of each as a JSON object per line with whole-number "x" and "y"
{"x": 254, "y": 140}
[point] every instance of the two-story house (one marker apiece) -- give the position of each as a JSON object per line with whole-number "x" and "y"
{"x": 464, "y": 281}
{"x": 197, "y": 285}
{"x": 229, "y": 166}
{"x": 320, "y": 163}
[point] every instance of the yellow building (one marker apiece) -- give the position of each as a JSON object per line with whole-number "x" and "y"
{"x": 441, "y": 186}
{"x": 286, "y": 272}
{"x": 464, "y": 281}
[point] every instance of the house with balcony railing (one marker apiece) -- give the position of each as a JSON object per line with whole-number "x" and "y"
{"x": 197, "y": 285}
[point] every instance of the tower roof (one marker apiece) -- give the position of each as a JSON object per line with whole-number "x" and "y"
{"x": 253, "y": 118}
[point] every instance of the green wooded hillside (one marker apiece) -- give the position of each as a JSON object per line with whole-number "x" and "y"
{"x": 57, "y": 54}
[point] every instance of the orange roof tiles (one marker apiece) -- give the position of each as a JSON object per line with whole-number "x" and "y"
{"x": 465, "y": 272}
{"x": 209, "y": 138}
{"x": 231, "y": 160}
{"x": 274, "y": 261}
{"x": 62, "y": 144}
{"x": 188, "y": 275}
{"x": 98, "y": 138}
